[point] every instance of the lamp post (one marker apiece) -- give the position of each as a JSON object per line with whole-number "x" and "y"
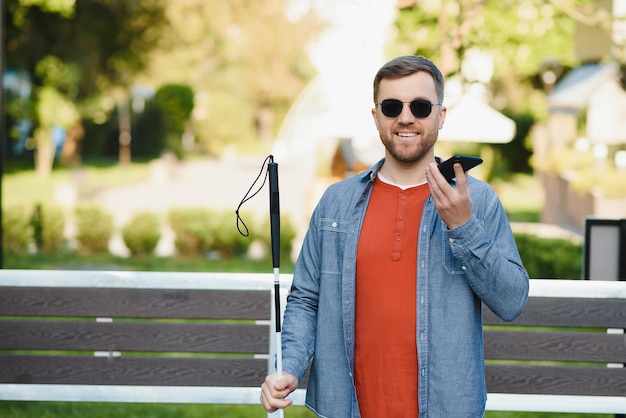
{"x": 3, "y": 128}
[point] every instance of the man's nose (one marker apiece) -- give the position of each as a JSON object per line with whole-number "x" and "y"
{"x": 406, "y": 115}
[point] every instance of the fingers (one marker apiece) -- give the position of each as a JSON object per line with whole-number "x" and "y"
{"x": 453, "y": 204}
{"x": 274, "y": 391}
{"x": 461, "y": 177}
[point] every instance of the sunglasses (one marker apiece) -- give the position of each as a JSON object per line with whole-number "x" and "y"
{"x": 419, "y": 107}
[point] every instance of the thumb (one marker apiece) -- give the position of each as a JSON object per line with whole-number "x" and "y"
{"x": 286, "y": 381}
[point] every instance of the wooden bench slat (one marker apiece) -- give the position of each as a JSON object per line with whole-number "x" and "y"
{"x": 151, "y": 371}
{"x": 134, "y": 336}
{"x": 590, "y": 381}
{"x": 131, "y": 302}
{"x": 567, "y": 312}
{"x": 554, "y": 346}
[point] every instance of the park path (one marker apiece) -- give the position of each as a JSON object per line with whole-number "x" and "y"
{"x": 217, "y": 184}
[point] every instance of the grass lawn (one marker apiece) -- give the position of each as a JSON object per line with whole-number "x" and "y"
{"x": 117, "y": 410}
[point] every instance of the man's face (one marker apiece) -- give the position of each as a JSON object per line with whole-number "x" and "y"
{"x": 407, "y": 138}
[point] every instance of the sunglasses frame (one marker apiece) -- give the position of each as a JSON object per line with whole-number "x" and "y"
{"x": 411, "y": 104}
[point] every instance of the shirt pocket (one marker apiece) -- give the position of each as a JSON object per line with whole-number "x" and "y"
{"x": 334, "y": 233}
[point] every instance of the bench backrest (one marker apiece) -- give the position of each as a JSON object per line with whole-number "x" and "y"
{"x": 208, "y": 338}
{"x": 568, "y": 343}
{"x": 134, "y": 329}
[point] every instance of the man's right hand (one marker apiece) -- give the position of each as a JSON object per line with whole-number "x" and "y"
{"x": 275, "y": 390}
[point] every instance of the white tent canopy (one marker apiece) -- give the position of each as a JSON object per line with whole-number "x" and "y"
{"x": 471, "y": 119}
{"x": 606, "y": 116}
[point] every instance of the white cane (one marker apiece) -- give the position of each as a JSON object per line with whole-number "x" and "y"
{"x": 272, "y": 168}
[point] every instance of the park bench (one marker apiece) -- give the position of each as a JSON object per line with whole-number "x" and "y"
{"x": 207, "y": 338}
{"x": 96, "y": 336}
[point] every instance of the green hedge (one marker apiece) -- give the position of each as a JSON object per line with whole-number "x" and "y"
{"x": 48, "y": 228}
{"x": 94, "y": 229}
{"x": 202, "y": 232}
{"x": 550, "y": 258}
{"x": 142, "y": 233}
{"x": 194, "y": 230}
{"x": 17, "y": 230}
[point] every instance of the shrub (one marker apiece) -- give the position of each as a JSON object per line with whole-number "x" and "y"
{"x": 546, "y": 258}
{"x": 142, "y": 234}
{"x": 176, "y": 102}
{"x": 48, "y": 224}
{"x": 94, "y": 229}
{"x": 17, "y": 230}
{"x": 229, "y": 243}
{"x": 194, "y": 230}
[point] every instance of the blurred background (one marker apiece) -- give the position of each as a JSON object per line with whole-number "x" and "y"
{"x": 132, "y": 129}
{"x": 135, "y": 127}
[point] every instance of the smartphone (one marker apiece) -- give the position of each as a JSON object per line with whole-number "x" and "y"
{"x": 467, "y": 161}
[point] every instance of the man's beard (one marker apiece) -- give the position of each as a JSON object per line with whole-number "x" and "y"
{"x": 415, "y": 154}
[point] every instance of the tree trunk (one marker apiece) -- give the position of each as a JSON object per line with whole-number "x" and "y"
{"x": 44, "y": 153}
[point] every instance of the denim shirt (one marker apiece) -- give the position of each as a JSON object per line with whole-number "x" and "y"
{"x": 456, "y": 270}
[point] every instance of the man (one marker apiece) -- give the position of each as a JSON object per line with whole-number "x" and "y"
{"x": 387, "y": 290}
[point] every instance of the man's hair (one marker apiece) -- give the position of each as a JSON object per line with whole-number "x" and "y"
{"x": 406, "y": 65}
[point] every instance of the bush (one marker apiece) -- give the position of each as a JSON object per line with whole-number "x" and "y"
{"x": 176, "y": 102}
{"x": 142, "y": 234}
{"x": 229, "y": 243}
{"x": 148, "y": 132}
{"x": 48, "y": 224}
{"x": 17, "y": 230}
{"x": 94, "y": 229}
{"x": 548, "y": 258}
{"x": 194, "y": 230}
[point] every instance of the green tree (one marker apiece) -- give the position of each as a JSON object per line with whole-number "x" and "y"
{"x": 245, "y": 61}
{"x": 521, "y": 38}
{"x": 76, "y": 52}
{"x": 176, "y": 102}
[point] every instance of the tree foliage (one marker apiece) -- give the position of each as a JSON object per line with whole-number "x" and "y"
{"x": 73, "y": 53}
{"x": 244, "y": 59}
{"x": 522, "y": 38}
{"x": 102, "y": 43}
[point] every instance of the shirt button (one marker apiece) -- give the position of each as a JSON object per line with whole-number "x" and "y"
{"x": 400, "y": 217}
{"x": 451, "y": 239}
{"x": 464, "y": 268}
{"x": 334, "y": 224}
{"x": 398, "y": 238}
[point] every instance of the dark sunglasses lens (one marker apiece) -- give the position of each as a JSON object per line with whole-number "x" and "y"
{"x": 391, "y": 107}
{"x": 421, "y": 108}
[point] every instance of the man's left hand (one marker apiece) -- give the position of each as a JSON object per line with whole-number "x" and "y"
{"x": 454, "y": 204}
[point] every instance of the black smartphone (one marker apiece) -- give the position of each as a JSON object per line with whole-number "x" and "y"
{"x": 467, "y": 162}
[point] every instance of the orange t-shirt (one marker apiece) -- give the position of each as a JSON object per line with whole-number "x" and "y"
{"x": 385, "y": 362}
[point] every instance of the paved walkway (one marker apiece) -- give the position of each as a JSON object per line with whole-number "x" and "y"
{"x": 218, "y": 184}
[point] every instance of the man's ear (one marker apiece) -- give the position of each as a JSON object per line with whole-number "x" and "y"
{"x": 442, "y": 116}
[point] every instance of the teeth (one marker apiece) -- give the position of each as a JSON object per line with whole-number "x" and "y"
{"x": 406, "y": 134}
